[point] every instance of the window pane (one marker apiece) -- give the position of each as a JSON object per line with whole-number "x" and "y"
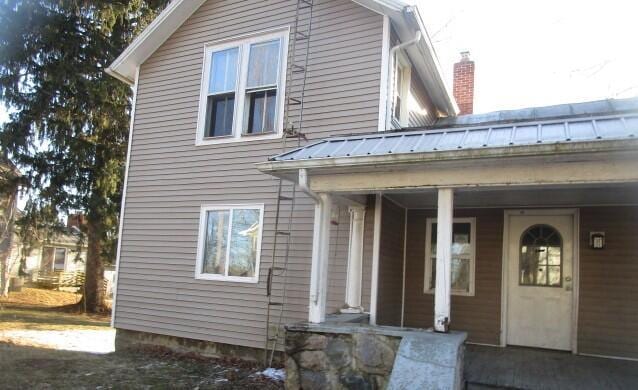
{"x": 540, "y": 257}
{"x": 263, "y": 64}
{"x": 461, "y": 274}
{"x": 215, "y": 242}
{"x": 219, "y": 115}
{"x": 243, "y": 248}
{"x": 223, "y": 71}
{"x": 461, "y": 236}
{"x": 60, "y": 255}
{"x": 47, "y": 259}
{"x": 261, "y": 111}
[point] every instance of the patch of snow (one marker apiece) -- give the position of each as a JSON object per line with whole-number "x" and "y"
{"x": 92, "y": 341}
{"x": 278, "y": 374}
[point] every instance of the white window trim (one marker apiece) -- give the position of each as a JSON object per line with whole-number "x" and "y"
{"x": 66, "y": 254}
{"x": 403, "y": 90}
{"x": 428, "y": 260}
{"x": 201, "y": 239}
{"x": 243, "y": 42}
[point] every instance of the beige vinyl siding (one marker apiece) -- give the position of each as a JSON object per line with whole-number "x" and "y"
{"x": 170, "y": 178}
{"x": 479, "y": 315}
{"x": 390, "y": 290}
{"x": 608, "y": 301}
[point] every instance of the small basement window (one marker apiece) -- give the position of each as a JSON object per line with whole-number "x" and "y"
{"x": 229, "y": 243}
{"x": 242, "y": 89}
{"x": 463, "y": 256}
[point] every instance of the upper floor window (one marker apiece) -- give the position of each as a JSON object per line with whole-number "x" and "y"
{"x": 400, "y": 90}
{"x": 242, "y": 89}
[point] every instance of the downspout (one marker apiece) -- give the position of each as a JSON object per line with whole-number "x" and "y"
{"x": 393, "y": 51}
{"x": 305, "y": 187}
{"x": 303, "y": 184}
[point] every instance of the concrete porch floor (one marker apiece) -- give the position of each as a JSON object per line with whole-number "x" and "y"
{"x": 527, "y": 368}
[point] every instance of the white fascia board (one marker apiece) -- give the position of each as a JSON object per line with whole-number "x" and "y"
{"x": 153, "y": 36}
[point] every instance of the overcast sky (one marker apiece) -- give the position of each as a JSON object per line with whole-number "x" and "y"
{"x": 540, "y": 52}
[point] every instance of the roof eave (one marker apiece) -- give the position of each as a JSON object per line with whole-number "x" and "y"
{"x": 154, "y": 35}
{"x": 278, "y": 168}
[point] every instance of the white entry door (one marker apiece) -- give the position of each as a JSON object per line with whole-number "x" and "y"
{"x": 540, "y": 284}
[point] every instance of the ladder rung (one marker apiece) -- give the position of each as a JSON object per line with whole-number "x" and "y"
{"x": 273, "y": 338}
{"x": 283, "y": 197}
{"x": 298, "y": 68}
{"x": 275, "y": 303}
{"x": 278, "y": 268}
{"x": 300, "y": 36}
{"x": 282, "y": 233}
{"x": 294, "y": 101}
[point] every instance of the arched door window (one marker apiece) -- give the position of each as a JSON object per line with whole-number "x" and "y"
{"x": 541, "y": 255}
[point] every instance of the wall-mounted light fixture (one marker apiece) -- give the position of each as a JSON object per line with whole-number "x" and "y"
{"x": 597, "y": 240}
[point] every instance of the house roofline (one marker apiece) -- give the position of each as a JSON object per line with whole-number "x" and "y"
{"x": 405, "y": 16}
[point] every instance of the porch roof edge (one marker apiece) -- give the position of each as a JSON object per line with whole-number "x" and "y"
{"x": 600, "y": 146}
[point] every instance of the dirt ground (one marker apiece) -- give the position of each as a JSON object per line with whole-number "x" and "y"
{"x": 43, "y": 346}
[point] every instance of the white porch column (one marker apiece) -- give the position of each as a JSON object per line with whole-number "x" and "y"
{"x": 443, "y": 259}
{"x": 320, "y": 251}
{"x": 355, "y": 261}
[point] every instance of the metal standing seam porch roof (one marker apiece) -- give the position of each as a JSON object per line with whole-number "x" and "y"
{"x": 557, "y": 131}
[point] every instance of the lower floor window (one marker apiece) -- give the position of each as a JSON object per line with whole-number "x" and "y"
{"x": 53, "y": 259}
{"x": 463, "y": 255}
{"x": 229, "y": 243}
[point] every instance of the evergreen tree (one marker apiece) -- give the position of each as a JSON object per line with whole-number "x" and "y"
{"x": 69, "y": 120}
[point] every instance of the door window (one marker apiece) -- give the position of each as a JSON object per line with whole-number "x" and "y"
{"x": 541, "y": 252}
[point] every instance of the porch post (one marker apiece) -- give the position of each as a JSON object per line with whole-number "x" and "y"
{"x": 320, "y": 251}
{"x": 355, "y": 261}
{"x": 443, "y": 259}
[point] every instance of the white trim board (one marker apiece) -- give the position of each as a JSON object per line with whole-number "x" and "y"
{"x": 123, "y": 205}
{"x": 574, "y": 213}
{"x": 376, "y": 245}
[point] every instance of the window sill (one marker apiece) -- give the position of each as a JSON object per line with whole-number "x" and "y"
{"x": 242, "y": 138}
{"x": 221, "y": 278}
{"x": 453, "y": 293}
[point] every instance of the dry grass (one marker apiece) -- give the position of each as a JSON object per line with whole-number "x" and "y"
{"x": 39, "y": 309}
{"x": 41, "y": 297}
{"x": 25, "y": 367}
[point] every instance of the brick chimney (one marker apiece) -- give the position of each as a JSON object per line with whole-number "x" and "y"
{"x": 76, "y": 221}
{"x": 464, "y": 84}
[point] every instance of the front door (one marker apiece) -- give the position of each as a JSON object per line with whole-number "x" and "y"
{"x": 539, "y": 297}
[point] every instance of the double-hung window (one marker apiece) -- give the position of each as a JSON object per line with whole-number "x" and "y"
{"x": 242, "y": 89}
{"x": 229, "y": 243}
{"x": 400, "y": 91}
{"x": 463, "y": 255}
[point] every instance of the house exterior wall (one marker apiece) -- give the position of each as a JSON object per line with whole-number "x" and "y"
{"x": 170, "y": 178}
{"x": 608, "y": 303}
{"x": 391, "y": 246}
{"x": 608, "y": 294}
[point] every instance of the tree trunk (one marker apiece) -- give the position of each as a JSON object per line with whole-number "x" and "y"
{"x": 6, "y": 243}
{"x": 93, "y": 299}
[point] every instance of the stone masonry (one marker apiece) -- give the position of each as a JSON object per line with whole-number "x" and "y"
{"x": 339, "y": 360}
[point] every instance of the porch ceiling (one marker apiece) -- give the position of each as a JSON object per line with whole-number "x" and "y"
{"x": 524, "y": 196}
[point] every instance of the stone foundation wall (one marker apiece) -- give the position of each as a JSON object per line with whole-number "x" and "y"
{"x": 130, "y": 339}
{"x": 339, "y": 361}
